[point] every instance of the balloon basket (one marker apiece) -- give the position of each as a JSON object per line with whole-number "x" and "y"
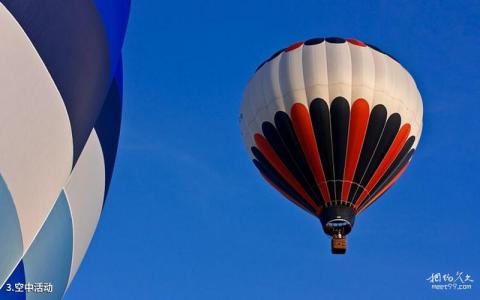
{"x": 339, "y": 245}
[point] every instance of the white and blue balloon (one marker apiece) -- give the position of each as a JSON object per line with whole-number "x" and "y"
{"x": 60, "y": 113}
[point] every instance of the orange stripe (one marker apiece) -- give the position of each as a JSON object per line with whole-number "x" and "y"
{"x": 304, "y": 131}
{"x": 356, "y": 135}
{"x": 392, "y": 153}
{"x": 385, "y": 188}
{"x": 272, "y": 157}
{"x": 287, "y": 195}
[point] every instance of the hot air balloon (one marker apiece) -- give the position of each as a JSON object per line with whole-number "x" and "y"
{"x": 60, "y": 112}
{"x": 331, "y": 123}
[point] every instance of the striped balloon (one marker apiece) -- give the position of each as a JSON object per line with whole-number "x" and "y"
{"x": 331, "y": 123}
{"x": 60, "y": 112}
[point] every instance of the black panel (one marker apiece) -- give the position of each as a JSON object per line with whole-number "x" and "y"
{"x": 285, "y": 129}
{"x": 395, "y": 164}
{"x": 293, "y": 159}
{"x": 268, "y": 171}
{"x": 376, "y": 123}
{"x": 320, "y": 115}
{"x": 335, "y": 40}
{"x": 388, "y": 136}
{"x": 388, "y": 179}
{"x": 70, "y": 38}
{"x": 275, "y": 140}
{"x": 340, "y": 116}
{"x": 314, "y": 41}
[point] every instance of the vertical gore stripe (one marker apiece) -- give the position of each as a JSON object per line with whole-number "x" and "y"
{"x": 388, "y": 135}
{"x": 320, "y": 116}
{"x": 401, "y": 159}
{"x": 387, "y": 181}
{"x": 376, "y": 123}
{"x": 387, "y": 160}
{"x": 327, "y": 155}
{"x": 287, "y": 133}
{"x": 275, "y": 140}
{"x": 358, "y": 127}
{"x": 304, "y": 130}
{"x": 282, "y": 170}
{"x": 340, "y": 117}
{"x": 384, "y": 189}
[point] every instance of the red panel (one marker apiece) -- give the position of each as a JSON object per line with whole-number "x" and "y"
{"x": 272, "y": 157}
{"x": 306, "y": 136}
{"x": 385, "y": 188}
{"x": 294, "y": 46}
{"x": 392, "y": 153}
{"x": 356, "y": 42}
{"x": 356, "y": 134}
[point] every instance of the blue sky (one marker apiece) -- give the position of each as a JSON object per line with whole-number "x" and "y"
{"x": 188, "y": 217}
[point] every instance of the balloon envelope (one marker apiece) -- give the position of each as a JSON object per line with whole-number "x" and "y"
{"x": 60, "y": 112}
{"x": 331, "y": 123}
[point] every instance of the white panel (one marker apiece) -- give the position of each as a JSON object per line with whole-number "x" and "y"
{"x": 35, "y": 138}
{"x": 255, "y": 105}
{"x": 381, "y": 96}
{"x": 416, "y": 107}
{"x": 393, "y": 87}
{"x": 246, "y": 135}
{"x": 259, "y": 102}
{"x": 315, "y": 72}
{"x": 291, "y": 78}
{"x": 273, "y": 90}
{"x": 271, "y": 85}
{"x": 339, "y": 68}
{"x": 328, "y": 70}
{"x": 85, "y": 193}
{"x": 246, "y": 119}
{"x": 363, "y": 73}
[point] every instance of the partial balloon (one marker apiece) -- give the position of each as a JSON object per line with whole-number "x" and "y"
{"x": 331, "y": 123}
{"x": 60, "y": 112}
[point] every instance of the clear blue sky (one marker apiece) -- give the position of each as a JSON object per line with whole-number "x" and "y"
{"x": 188, "y": 217}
